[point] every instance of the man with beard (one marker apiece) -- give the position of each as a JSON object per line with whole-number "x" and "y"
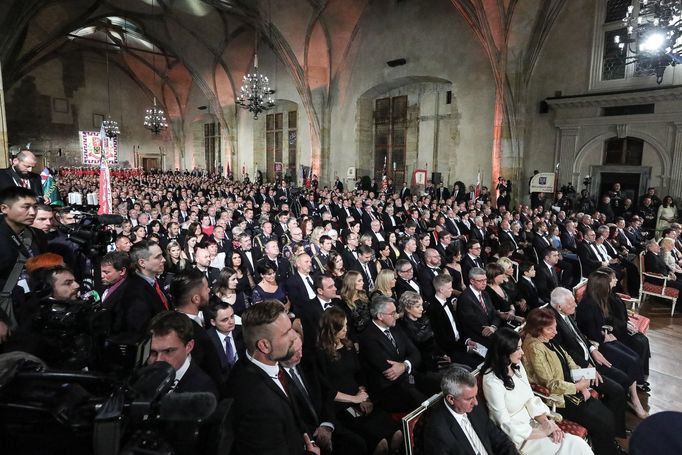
{"x": 19, "y": 174}
{"x": 267, "y": 422}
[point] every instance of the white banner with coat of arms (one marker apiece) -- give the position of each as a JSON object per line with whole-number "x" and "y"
{"x": 91, "y": 147}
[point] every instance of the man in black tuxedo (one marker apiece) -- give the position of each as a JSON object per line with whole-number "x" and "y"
{"x": 472, "y": 258}
{"x": 405, "y": 192}
{"x": 300, "y": 285}
{"x": 226, "y": 337}
{"x": 350, "y": 251}
{"x": 19, "y": 174}
{"x": 445, "y": 328}
{"x": 269, "y": 421}
{"x": 391, "y": 222}
{"x": 202, "y": 261}
{"x": 475, "y": 311}
{"x": 273, "y": 260}
{"x": 546, "y": 277}
{"x": 250, "y": 254}
{"x": 310, "y": 313}
{"x": 143, "y": 297}
{"x": 458, "y": 425}
{"x": 527, "y": 289}
{"x": 172, "y": 342}
{"x": 405, "y": 280}
{"x": 611, "y": 382}
{"x": 390, "y": 360}
{"x": 190, "y": 292}
{"x": 224, "y": 243}
{"x": 428, "y": 272}
{"x": 410, "y": 252}
{"x": 114, "y": 271}
{"x": 568, "y": 237}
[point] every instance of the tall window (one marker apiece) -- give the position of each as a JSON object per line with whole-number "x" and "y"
{"x": 609, "y": 68}
{"x": 212, "y": 146}
{"x": 627, "y": 151}
{"x": 292, "y": 141}
{"x": 390, "y": 135}
{"x": 273, "y": 142}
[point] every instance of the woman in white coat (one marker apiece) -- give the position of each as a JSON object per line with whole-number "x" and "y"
{"x": 520, "y": 414}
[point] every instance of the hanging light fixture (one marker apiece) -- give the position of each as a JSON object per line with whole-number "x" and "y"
{"x": 155, "y": 117}
{"x": 654, "y": 35}
{"x": 255, "y": 94}
{"x": 110, "y": 126}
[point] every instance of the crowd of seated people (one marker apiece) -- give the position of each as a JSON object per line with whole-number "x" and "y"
{"x": 385, "y": 291}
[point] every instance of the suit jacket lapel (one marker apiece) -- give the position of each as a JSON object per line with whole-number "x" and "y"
{"x": 460, "y": 436}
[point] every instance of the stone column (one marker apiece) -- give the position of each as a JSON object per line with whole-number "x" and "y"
{"x": 4, "y": 150}
{"x": 676, "y": 170}
{"x": 567, "y": 153}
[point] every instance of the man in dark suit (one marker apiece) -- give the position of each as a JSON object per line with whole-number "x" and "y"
{"x": 311, "y": 312}
{"x": 405, "y": 192}
{"x": 410, "y": 252}
{"x": 366, "y": 267}
{"x": 202, "y": 263}
{"x": 654, "y": 264}
{"x": 250, "y": 254}
{"x": 391, "y": 222}
{"x": 268, "y": 420}
{"x": 427, "y": 273}
{"x": 190, "y": 293}
{"x": 527, "y": 289}
{"x": 458, "y": 426}
{"x": 568, "y": 237}
{"x": 611, "y": 383}
{"x": 114, "y": 271}
{"x": 445, "y": 327}
{"x": 390, "y": 360}
{"x": 300, "y": 285}
{"x": 475, "y": 312}
{"x": 223, "y": 242}
{"x": 226, "y": 337}
{"x": 546, "y": 277}
{"x": 273, "y": 260}
{"x": 19, "y": 174}
{"x": 405, "y": 280}
{"x": 172, "y": 342}
{"x": 143, "y": 297}
{"x": 472, "y": 258}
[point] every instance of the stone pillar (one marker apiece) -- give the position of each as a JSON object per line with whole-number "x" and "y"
{"x": 676, "y": 170}
{"x": 4, "y": 150}
{"x": 567, "y": 153}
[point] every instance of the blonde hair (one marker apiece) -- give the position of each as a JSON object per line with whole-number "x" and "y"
{"x": 348, "y": 292}
{"x": 382, "y": 283}
{"x": 505, "y": 262}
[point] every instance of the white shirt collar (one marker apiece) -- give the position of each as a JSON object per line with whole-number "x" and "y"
{"x": 198, "y": 318}
{"x": 270, "y": 370}
{"x": 183, "y": 369}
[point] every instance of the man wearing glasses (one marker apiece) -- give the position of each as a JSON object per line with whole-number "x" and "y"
{"x": 472, "y": 258}
{"x": 405, "y": 280}
{"x": 475, "y": 312}
{"x": 390, "y": 360}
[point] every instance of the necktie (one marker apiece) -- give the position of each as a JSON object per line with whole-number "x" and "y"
{"x": 473, "y": 437}
{"x": 161, "y": 295}
{"x": 391, "y": 339}
{"x": 25, "y": 183}
{"x": 310, "y": 282}
{"x": 482, "y": 303}
{"x": 369, "y": 276}
{"x": 577, "y": 335}
{"x": 229, "y": 352}
{"x": 282, "y": 377}
{"x": 304, "y": 392}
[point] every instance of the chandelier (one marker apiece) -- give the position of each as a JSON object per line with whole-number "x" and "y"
{"x": 656, "y": 30}
{"x": 110, "y": 126}
{"x": 255, "y": 94}
{"x": 155, "y": 119}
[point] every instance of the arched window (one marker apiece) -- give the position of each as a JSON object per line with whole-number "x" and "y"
{"x": 390, "y": 135}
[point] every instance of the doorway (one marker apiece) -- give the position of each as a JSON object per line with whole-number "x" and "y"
{"x": 633, "y": 180}
{"x": 629, "y": 184}
{"x": 150, "y": 163}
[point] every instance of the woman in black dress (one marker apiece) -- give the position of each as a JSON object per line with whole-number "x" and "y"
{"x": 355, "y": 304}
{"x": 245, "y": 281}
{"x": 226, "y": 291}
{"x": 335, "y": 268}
{"x": 384, "y": 261}
{"x": 340, "y": 366}
{"x": 453, "y": 256}
{"x": 393, "y": 246}
{"x": 498, "y": 296}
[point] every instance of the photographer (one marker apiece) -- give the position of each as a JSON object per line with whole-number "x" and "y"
{"x": 18, "y": 242}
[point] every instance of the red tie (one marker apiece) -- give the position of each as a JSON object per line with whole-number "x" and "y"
{"x": 480, "y": 300}
{"x": 281, "y": 375}
{"x": 163, "y": 298}
{"x": 25, "y": 184}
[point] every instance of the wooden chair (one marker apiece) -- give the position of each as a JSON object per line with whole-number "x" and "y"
{"x": 663, "y": 291}
{"x": 579, "y": 290}
{"x": 413, "y": 423}
{"x": 567, "y": 426}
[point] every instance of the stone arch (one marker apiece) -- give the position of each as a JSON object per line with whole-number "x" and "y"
{"x": 601, "y": 138}
{"x": 365, "y": 161}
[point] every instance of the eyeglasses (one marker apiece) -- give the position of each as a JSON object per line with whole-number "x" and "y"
{"x": 393, "y": 314}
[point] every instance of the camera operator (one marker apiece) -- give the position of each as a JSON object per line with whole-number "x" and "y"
{"x": 60, "y": 243}
{"x": 18, "y": 242}
{"x": 172, "y": 342}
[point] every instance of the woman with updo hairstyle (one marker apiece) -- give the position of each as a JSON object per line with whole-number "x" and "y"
{"x": 384, "y": 260}
{"x": 513, "y": 406}
{"x": 340, "y": 367}
{"x": 384, "y": 284}
{"x": 549, "y": 365}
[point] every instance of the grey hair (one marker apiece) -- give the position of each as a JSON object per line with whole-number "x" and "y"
{"x": 476, "y": 271}
{"x": 379, "y": 304}
{"x": 559, "y": 296}
{"x": 649, "y": 243}
{"x": 454, "y": 379}
{"x": 408, "y": 300}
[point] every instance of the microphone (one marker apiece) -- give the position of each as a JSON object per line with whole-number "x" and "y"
{"x": 187, "y": 406}
{"x": 110, "y": 219}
